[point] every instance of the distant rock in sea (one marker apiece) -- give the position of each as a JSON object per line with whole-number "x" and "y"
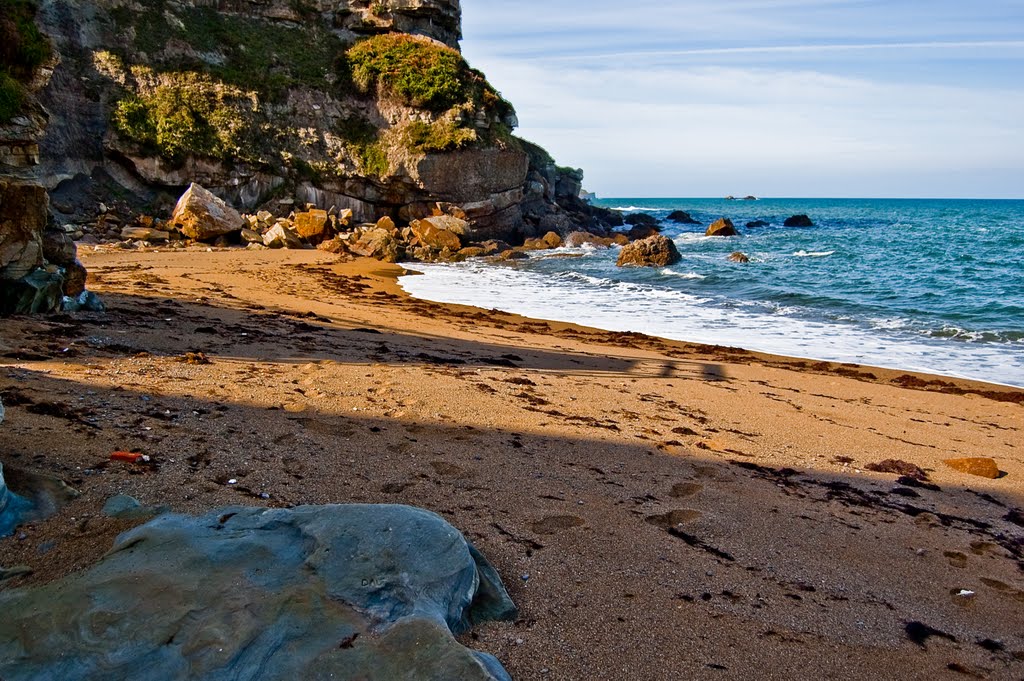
{"x": 756, "y": 223}
{"x": 682, "y": 217}
{"x": 799, "y": 221}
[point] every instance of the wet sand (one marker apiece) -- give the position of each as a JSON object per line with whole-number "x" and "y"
{"x": 658, "y": 510}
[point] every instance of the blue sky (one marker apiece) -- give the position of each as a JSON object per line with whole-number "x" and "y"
{"x": 816, "y": 98}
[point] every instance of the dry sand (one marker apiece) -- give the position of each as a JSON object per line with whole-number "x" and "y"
{"x": 658, "y": 510}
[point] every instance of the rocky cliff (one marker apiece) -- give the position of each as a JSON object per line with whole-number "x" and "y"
{"x": 354, "y": 105}
{"x": 345, "y": 103}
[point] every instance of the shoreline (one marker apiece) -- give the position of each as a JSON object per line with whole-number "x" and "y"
{"x": 657, "y": 509}
{"x": 924, "y": 379}
{"x": 904, "y": 349}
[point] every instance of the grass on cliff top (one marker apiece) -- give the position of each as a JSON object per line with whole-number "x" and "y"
{"x": 420, "y": 73}
{"x": 22, "y": 50}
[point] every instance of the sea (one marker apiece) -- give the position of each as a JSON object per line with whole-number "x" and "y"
{"x": 935, "y": 286}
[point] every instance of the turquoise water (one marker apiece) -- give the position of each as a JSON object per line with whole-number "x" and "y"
{"x": 926, "y": 285}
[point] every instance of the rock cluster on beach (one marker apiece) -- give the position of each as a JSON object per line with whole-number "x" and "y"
{"x": 360, "y": 591}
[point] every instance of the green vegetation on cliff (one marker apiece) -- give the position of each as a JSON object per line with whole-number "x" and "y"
{"x": 244, "y": 52}
{"x": 22, "y": 50}
{"x": 420, "y": 73}
{"x": 186, "y": 113}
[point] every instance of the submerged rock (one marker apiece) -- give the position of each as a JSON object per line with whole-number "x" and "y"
{"x": 798, "y": 221}
{"x": 681, "y": 217}
{"x": 641, "y": 219}
{"x": 655, "y": 251}
{"x": 348, "y": 592}
{"x": 202, "y": 216}
{"x": 721, "y": 227}
{"x": 753, "y": 224}
{"x": 738, "y": 256}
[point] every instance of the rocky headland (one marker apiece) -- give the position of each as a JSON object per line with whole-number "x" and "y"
{"x": 366, "y": 110}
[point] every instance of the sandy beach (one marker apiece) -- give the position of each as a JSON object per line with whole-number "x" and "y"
{"x": 657, "y": 509}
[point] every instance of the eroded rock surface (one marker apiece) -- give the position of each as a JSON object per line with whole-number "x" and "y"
{"x": 655, "y": 251}
{"x": 345, "y": 592}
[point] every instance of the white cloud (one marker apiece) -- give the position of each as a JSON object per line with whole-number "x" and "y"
{"x": 706, "y": 130}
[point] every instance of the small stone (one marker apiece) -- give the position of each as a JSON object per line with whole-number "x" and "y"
{"x": 981, "y": 467}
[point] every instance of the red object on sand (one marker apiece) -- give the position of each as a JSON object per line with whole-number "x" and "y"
{"x": 130, "y": 457}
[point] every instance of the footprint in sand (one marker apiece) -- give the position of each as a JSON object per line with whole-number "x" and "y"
{"x": 667, "y": 521}
{"x": 956, "y": 559}
{"x": 556, "y": 523}
{"x": 681, "y": 490}
{"x": 1003, "y": 587}
{"x": 449, "y": 470}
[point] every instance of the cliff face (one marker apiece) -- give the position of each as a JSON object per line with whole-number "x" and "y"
{"x": 345, "y": 103}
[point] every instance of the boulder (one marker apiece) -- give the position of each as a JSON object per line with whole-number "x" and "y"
{"x": 641, "y": 219}
{"x": 23, "y": 217}
{"x": 681, "y": 217}
{"x": 492, "y": 246}
{"x": 343, "y": 218}
{"x": 202, "y": 216}
{"x": 654, "y": 251}
{"x": 433, "y": 232}
{"x": 472, "y": 252}
{"x": 251, "y": 236}
{"x": 314, "y": 592}
{"x": 642, "y": 232}
{"x": 377, "y": 243}
{"x": 721, "y": 227}
{"x": 313, "y": 225}
{"x": 981, "y": 467}
{"x": 546, "y": 242}
{"x": 387, "y": 223}
{"x": 13, "y": 508}
{"x": 280, "y": 236}
{"x": 38, "y": 292}
{"x": 74, "y": 279}
{"x": 756, "y": 223}
{"x": 337, "y": 245}
{"x": 577, "y": 239}
{"x": 144, "y": 234}
{"x": 59, "y": 248}
{"x": 798, "y": 221}
{"x": 737, "y": 256}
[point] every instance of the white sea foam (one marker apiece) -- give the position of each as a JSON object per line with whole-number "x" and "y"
{"x": 682, "y": 275}
{"x": 813, "y": 254}
{"x": 632, "y": 208}
{"x": 625, "y": 306}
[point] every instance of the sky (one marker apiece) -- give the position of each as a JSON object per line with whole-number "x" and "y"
{"x": 784, "y": 98}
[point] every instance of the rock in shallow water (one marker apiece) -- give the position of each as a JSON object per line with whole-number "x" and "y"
{"x": 316, "y": 592}
{"x": 655, "y": 251}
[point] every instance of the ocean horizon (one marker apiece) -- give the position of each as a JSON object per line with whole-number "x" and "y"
{"x": 927, "y": 285}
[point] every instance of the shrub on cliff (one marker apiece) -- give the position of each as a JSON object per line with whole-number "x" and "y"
{"x": 419, "y": 72}
{"x": 183, "y": 114}
{"x": 22, "y": 49}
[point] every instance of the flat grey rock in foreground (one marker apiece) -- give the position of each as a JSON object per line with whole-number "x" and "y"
{"x": 316, "y": 592}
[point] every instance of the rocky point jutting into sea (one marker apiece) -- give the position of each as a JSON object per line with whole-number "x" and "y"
{"x": 364, "y": 110}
